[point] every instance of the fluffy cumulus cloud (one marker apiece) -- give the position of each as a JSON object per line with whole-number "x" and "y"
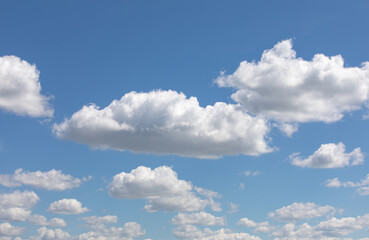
{"x": 41, "y": 220}
{"x": 67, "y": 206}
{"x": 16, "y": 206}
{"x": 198, "y": 218}
{"x": 6, "y": 229}
{"x": 50, "y": 180}
{"x": 329, "y": 155}
{"x": 189, "y": 232}
{"x": 166, "y": 122}
{"x": 129, "y": 231}
{"x": 163, "y": 190}
{"x": 20, "y": 89}
{"x": 362, "y": 186}
{"x": 289, "y": 89}
{"x": 44, "y": 233}
{"x": 301, "y": 211}
{"x": 330, "y": 229}
{"x": 259, "y": 226}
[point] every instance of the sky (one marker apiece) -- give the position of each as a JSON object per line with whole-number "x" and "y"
{"x": 189, "y": 120}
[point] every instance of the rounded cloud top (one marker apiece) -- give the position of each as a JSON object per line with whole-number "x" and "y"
{"x": 166, "y": 122}
{"x": 289, "y": 89}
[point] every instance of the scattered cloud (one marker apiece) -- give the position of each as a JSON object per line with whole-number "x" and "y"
{"x": 233, "y": 208}
{"x": 198, "y": 218}
{"x": 166, "y": 122}
{"x": 16, "y": 206}
{"x": 163, "y": 190}
{"x": 332, "y": 228}
{"x": 189, "y": 232}
{"x": 329, "y": 155}
{"x": 41, "y": 220}
{"x": 6, "y": 229}
{"x": 259, "y": 226}
{"x": 44, "y": 233}
{"x": 95, "y": 222}
{"x": 288, "y": 89}
{"x": 67, "y": 206}
{"x": 301, "y": 211}
{"x": 362, "y": 187}
{"x": 50, "y": 180}
{"x": 20, "y": 89}
{"x": 250, "y": 173}
{"x": 129, "y": 231}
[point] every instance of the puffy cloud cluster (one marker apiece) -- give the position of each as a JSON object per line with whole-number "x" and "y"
{"x": 20, "y": 89}
{"x": 7, "y": 230}
{"x": 362, "y": 187}
{"x": 41, "y": 220}
{"x": 259, "y": 226}
{"x": 162, "y": 188}
{"x": 288, "y": 89}
{"x": 95, "y": 222}
{"x": 166, "y": 122}
{"x": 301, "y": 211}
{"x": 44, "y": 233}
{"x": 329, "y": 155}
{"x": 332, "y": 228}
{"x": 50, "y": 180}
{"x": 129, "y": 231}
{"x": 189, "y": 232}
{"x": 67, "y": 206}
{"x": 198, "y": 218}
{"x": 16, "y": 206}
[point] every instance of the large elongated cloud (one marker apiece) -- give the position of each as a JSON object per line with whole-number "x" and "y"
{"x": 50, "y": 180}
{"x": 329, "y": 155}
{"x": 293, "y": 90}
{"x": 20, "y": 89}
{"x": 163, "y": 190}
{"x": 166, "y": 122}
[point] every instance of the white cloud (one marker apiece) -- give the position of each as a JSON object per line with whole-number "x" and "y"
{"x": 362, "y": 187}
{"x": 14, "y": 214}
{"x": 129, "y": 231}
{"x": 50, "y": 180}
{"x": 301, "y": 211}
{"x": 292, "y": 90}
{"x": 20, "y": 89}
{"x": 233, "y": 208}
{"x": 331, "y": 229}
{"x": 16, "y": 206}
{"x": 67, "y": 206}
{"x": 198, "y": 218}
{"x": 44, "y": 233}
{"x": 166, "y": 122}
{"x": 162, "y": 188}
{"x": 193, "y": 233}
{"x": 41, "y": 220}
{"x": 259, "y": 226}
{"x": 329, "y": 155}
{"x": 250, "y": 173}
{"x": 6, "y": 229}
{"x": 95, "y": 222}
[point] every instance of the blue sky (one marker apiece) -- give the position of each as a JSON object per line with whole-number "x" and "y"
{"x": 184, "y": 120}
